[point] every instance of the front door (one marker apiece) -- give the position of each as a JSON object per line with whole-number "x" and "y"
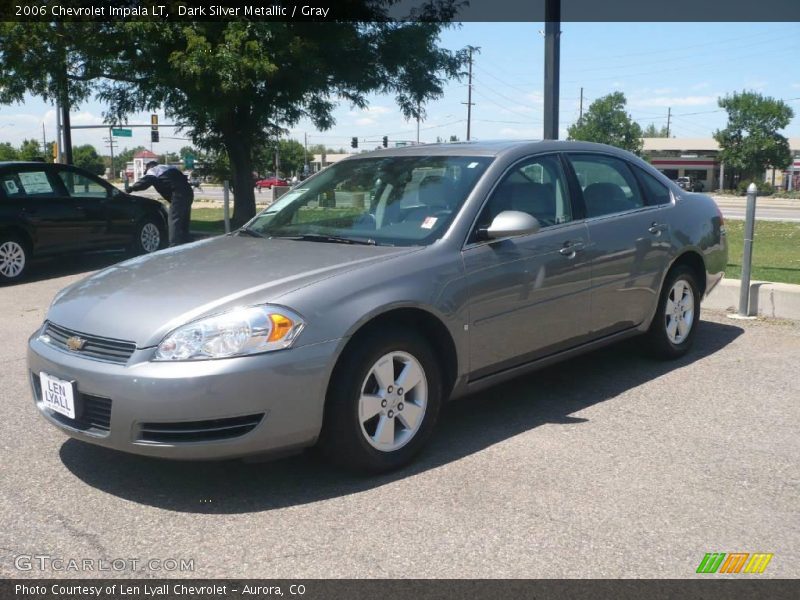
{"x": 529, "y": 296}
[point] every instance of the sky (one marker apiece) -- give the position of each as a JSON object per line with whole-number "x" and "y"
{"x": 684, "y": 67}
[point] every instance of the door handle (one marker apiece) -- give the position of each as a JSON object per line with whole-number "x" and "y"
{"x": 657, "y": 228}
{"x": 571, "y": 248}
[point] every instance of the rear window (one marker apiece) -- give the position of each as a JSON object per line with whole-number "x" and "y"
{"x": 26, "y": 184}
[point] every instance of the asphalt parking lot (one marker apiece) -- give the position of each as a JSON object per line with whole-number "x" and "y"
{"x": 611, "y": 465}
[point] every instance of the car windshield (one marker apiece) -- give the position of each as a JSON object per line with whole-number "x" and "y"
{"x": 390, "y": 200}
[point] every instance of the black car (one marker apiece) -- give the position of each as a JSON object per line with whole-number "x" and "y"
{"x": 50, "y": 209}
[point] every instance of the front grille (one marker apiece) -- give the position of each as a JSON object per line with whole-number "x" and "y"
{"x": 93, "y": 413}
{"x": 97, "y": 348}
{"x": 198, "y": 431}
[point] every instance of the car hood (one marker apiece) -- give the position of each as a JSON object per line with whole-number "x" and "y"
{"x": 142, "y": 299}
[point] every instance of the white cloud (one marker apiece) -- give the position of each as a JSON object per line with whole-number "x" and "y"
{"x": 758, "y": 84}
{"x": 666, "y": 101}
{"x": 365, "y": 121}
{"x": 521, "y": 132}
{"x": 370, "y": 110}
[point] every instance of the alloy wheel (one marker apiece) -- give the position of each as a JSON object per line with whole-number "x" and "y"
{"x": 394, "y": 396}
{"x": 679, "y": 312}
{"x": 150, "y": 237}
{"x": 12, "y": 259}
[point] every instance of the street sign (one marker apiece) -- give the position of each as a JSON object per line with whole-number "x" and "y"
{"x": 122, "y": 132}
{"x": 188, "y": 161}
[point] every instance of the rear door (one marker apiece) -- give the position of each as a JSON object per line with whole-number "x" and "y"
{"x": 630, "y": 241}
{"x": 529, "y": 296}
{"x": 38, "y": 200}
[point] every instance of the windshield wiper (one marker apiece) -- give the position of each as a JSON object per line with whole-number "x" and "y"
{"x": 331, "y": 239}
{"x": 249, "y": 231}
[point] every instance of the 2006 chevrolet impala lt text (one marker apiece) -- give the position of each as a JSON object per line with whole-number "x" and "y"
{"x": 346, "y": 313}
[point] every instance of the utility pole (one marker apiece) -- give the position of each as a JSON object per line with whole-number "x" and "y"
{"x": 59, "y": 145}
{"x": 44, "y": 143}
{"x": 469, "y": 102}
{"x": 552, "y": 49}
{"x": 111, "y": 147}
{"x": 580, "y": 109}
{"x": 418, "y": 113}
{"x": 305, "y": 153}
{"x": 669, "y": 118}
{"x": 66, "y": 150}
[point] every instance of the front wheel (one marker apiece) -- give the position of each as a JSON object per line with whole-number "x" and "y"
{"x": 149, "y": 236}
{"x": 14, "y": 258}
{"x": 672, "y": 331}
{"x": 382, "y": 403}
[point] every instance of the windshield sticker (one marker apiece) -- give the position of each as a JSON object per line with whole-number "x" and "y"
{"x": 472, "y": 165}
{"x": 35, "y": 183}
{"x": 429, "y": 222}
{"x": 11, "y": 187}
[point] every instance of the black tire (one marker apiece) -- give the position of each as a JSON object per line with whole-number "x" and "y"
{"x": 660, "y": 343}
{"x": 343, "y": 441}
{"x": 138, "y": 243}
{"x": 15, "y": 256}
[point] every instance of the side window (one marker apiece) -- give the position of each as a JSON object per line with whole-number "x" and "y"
{"x": 608, "y": 185}
{"x": 27, "y": 184}
{"x": 655, "y": 191}
{"x": 537, "y": 187}
{"x": 80, "y": 186}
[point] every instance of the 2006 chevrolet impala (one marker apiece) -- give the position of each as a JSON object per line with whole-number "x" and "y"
{"x": 348, "y": 311}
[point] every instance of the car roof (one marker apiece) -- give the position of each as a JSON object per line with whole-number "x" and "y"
{"x": 492, "y": 148}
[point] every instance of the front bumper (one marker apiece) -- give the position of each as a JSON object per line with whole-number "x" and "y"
{"x": 192, "y": 410}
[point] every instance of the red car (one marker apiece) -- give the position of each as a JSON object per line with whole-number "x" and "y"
{"x": 270, "y": 181}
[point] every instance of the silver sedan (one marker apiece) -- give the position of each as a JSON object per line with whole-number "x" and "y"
{"x": 345, "y": 314}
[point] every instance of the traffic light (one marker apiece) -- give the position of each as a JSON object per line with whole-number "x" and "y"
{"x": 354, "y": 142}
{"x": 153, "y": 128}
{"x": 386, "y": 141}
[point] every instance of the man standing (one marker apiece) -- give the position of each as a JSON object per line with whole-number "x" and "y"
{"x": 174, "y": 187}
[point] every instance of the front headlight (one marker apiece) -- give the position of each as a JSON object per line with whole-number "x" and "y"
{"x": 239, "y": 332}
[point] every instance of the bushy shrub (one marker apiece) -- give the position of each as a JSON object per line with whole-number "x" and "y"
{"x": 764, "y": 188}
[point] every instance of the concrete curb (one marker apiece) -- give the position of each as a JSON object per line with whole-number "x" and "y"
{"x": 774, "y": 300}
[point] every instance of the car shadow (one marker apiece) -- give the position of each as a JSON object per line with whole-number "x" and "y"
{"x": 72, "y": 264}
{"x": 466, "y": 426}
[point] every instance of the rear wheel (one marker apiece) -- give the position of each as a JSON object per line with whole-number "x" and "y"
{"x": 673, "y": 328}
{"x": 149, "y": 236}
{"x": 383, "y": 402}
{"x": 14, "y": 258}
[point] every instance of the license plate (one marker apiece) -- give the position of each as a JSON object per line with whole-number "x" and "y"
{"x": 58, "y": 395}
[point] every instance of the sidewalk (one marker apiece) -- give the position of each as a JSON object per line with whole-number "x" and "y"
{"x": 773, "y": 300}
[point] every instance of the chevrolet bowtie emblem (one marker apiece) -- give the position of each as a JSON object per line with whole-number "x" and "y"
{"x": 75, "y": 343}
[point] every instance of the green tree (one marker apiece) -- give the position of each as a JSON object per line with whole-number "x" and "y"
{"x": 45, "y": 59}
{"x": 86, "y": 157}
{"x": 8, "y": 152}
{"x": 750, "y": 143}
{"x": 606, "y": 122}
{"x": 233, "y": 84}
{"x": 651, "y": 131}
{"x": 30, "y": 150}
{"x": 292, "y": 156}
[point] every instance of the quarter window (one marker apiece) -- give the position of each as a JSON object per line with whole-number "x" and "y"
{"x": 608, "y": 185}
{"x": 80, "y": 186}
{"x": 536, "y": 187}
{"x": 656, "y": 192}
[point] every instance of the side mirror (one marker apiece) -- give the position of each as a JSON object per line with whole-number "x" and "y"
{"x": 510, "y": 223}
